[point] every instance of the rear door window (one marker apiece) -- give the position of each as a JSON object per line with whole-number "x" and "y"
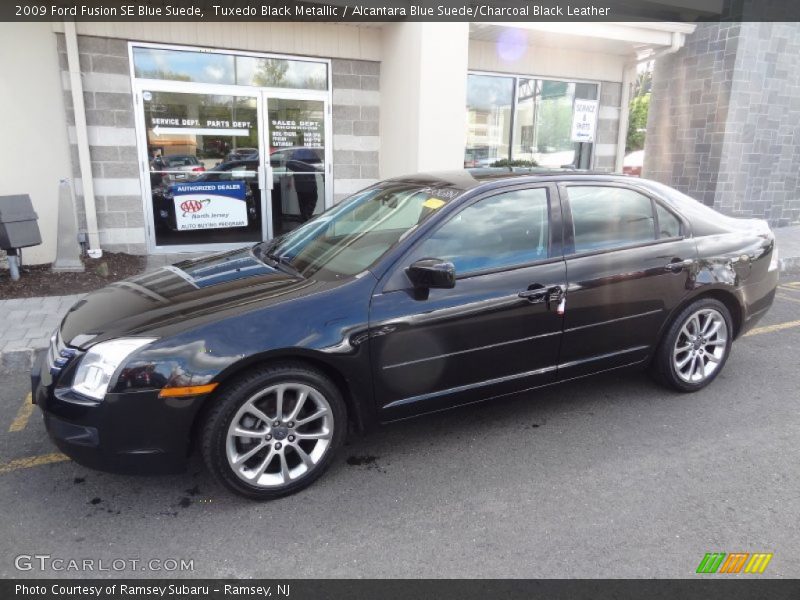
{"x": 610, "y": 217}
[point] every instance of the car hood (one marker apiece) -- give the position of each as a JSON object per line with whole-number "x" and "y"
{"x": 175, "y": 298}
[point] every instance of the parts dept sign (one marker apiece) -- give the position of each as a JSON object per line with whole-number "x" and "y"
{"x": 209, "y": 205}
{"x": 584, "y": 120}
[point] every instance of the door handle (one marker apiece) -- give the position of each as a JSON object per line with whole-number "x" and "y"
{"x": 537, "y": 293}
{"x": 676, "y": 265}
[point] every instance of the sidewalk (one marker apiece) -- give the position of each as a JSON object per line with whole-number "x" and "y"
{"x": 27, "y": 323}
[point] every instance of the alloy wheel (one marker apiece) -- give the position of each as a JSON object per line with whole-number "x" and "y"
{"x": 279, "y": 435}
{"x": 700, "y": 346}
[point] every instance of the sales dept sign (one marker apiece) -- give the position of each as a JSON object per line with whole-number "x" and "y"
{"x": 584, "y": 120}
{"x": 209, "y": 205}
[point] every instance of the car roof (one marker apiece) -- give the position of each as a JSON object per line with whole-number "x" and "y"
{"x": 468, "y": 179}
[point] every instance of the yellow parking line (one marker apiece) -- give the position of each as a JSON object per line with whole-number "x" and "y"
{"x": 793, "y": 286}
{"x": 773, "y": 328}
{"x": 31, "y": 461}
{"x": 789, "y": 298}
{"x": 24, "y": 413}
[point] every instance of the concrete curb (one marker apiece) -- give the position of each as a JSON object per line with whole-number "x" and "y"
{"x": 18, "y": 359}
{"x": 26, "y": 325}
{"x": 790, "y": 265}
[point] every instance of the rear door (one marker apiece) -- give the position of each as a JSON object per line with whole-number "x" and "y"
{"x": 630, "y": 260}
{"x": 497, "y": 331}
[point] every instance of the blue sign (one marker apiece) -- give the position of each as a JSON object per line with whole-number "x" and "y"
{"x": 209, "y": 204}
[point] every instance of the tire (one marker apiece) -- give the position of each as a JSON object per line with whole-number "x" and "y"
{"x": 672, "y": 365}
{"x": 283, "y": 455}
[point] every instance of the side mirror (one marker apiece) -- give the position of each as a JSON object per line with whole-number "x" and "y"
{"x": 432, "y": 273}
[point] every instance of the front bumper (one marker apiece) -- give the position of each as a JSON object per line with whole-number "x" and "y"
{"x": 132, "y": 432}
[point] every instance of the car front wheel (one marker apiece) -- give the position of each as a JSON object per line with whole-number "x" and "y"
{"x": 274, "y": 431}
{"x": 696, "y": 346}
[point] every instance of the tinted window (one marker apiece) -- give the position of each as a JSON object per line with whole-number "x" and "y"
{"x": 668, "y": 224}
{"x": 501, "y": 231}
{"x": 609, "y": 217}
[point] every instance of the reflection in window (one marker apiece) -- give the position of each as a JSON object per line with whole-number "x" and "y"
{"x": 183, "y": 65}
{"x": 489, "y": 102}
{"x": 187, "y": 161}
{"x": 214, "y": 67}
{"x": 278, "y": 72}
{"x": 501, "y": 231}
{"x": 668, "y": 224}
{"x": 608, "y": 217}
{"x": 542, "y": 122}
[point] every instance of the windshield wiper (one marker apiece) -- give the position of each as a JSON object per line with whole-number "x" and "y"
{"x": 273, "y": 260}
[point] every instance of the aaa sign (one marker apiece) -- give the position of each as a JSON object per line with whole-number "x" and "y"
{"x": 210, "y": 205}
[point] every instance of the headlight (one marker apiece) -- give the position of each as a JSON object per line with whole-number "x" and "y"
{"x": 98, "y": 365}
{"x": 774, "y": 261}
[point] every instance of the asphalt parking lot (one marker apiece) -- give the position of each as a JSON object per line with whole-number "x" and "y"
{"x": 607, "y": 477}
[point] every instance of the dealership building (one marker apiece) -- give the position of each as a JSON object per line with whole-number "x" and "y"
{"x": 181, "y": 137}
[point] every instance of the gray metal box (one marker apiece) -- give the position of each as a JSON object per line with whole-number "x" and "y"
{"x": 18, "y": 222}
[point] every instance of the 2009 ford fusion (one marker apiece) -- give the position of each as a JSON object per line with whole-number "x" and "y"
{"x": 415, "y": 295}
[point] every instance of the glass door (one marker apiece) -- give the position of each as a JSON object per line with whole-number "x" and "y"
{"x": 295, "y": 173}
{"x": 202, "y": 152}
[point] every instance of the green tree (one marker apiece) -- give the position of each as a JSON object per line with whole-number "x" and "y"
{"x": 637, "y": 122}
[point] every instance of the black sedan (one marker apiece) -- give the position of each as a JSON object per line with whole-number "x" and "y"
{"x": 415, "y": 295}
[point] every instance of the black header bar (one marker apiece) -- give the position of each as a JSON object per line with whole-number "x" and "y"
{"x": 393, "y": 589}
{"x": 354, "y": 11}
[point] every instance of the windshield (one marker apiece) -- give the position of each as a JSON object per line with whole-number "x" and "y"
{"x": 348, "y": 238}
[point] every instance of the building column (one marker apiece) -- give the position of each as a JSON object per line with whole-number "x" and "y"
{"x": 423, "y": 97}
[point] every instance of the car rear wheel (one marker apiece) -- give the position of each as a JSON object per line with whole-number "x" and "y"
{"x": 696, "y": 346}
{"x": 274, "y": 431}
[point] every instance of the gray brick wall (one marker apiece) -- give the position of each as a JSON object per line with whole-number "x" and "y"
{"x": 356, "y": 135}
{"x": 108, "y": 100}
{"x": 725, "y": 119}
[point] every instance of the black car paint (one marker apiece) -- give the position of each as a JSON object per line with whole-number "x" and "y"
{"x": 394, "y": 354}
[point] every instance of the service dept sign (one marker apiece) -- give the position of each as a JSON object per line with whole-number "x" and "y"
{"x": 584, "y": 120}
{"x": 209, "y": 205}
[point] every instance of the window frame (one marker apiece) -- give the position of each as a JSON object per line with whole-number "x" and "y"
{"x": 569, "y": 226}
{"x": 397, "y": 278}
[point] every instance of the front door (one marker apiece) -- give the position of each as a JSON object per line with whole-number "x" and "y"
{"x": 295, "y": 161}
{"x": 496, "y": 332}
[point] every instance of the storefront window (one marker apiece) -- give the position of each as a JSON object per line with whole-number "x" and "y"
{"x": 540, "y": 132}
{"x": 489, "y": 104}
{"x": 214, "y": 67}
{"x": 203, "y": 152}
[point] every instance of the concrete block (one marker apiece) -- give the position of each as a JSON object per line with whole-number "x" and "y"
{"x": 346, "y": 112}
{"x": 365, "y": 128}
{"x": 109, "y": 64}
{"x": 346, "y": 81}
{"x": 342, "y": 127}
{"x": 366, "y": 67}
{"x": 365, "y": 157}
{"x": 112, "y": 101}
{"x": 369, "y": 82}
